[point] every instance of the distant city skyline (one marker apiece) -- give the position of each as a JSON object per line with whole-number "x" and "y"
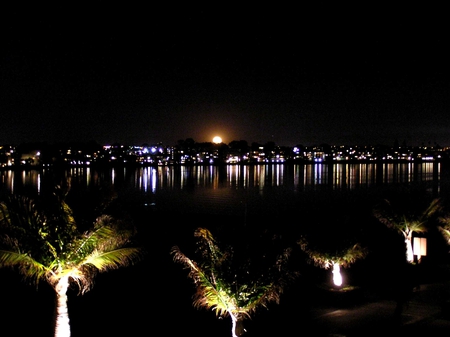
{"x": 191, "y": 153}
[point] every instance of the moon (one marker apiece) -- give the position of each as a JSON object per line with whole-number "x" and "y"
{"x": 217, "y": 140}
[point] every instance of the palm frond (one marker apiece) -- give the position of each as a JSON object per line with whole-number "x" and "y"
{"x": 89, "y": 241}
{"x": 20, "y": 213}
{"x": 104, "y": 237}
{"x": 445, "y": 231}
{"x": 207, "y": 295}
{"x": 208, "y": 247}
{"x": 68, "y": 217}
{"x": 383, "y": 213}
{"x": 407, "y": 223}
{"x": 113, "y": 259}
{"x": 434, "y": 207}
{"x": 262, "y": 296}
{"x": 24, "y": 264}
{"x": 325, "y": 258}
{"x": 21, "y": 220}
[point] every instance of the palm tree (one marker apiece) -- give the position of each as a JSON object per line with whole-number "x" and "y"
{"x": 407, "y": 223}
{"x": 218, "y": 287}
{"x": 46, "y": 246}
{"x": 333, "y": 258}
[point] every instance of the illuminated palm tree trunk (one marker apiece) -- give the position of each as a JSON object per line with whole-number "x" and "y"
{"x": 337, "y": 276}
{"x": 234, "y": 324}
{"x": 237, "y": 328}
{"x": 409, "y": 249}
{"x": 62, "y": 325}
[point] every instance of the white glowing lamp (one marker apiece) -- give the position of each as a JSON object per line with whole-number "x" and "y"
{"x": 337, "y": 276}
{"x": 420, "y": 247}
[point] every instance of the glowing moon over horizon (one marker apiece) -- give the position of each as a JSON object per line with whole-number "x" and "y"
{"x": 217, "y": 140}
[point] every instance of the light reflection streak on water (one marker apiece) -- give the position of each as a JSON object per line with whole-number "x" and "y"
{"x": 237, "y": 176}
{"x": 12, "y": 181}
{"x": 154, "y": 180}
{"x": 233, "y": 176}
{"x": 277, "y": 175}
{"x": 213, "y": 177}
{"x": 350, "y": 177}
{"x": 88, "y": 176}
{"x": 183, "y": 175}
{"x": 145, "y": 179}
{"x": 24, "y": 178}
{"x": 39, "y": 184}
{"x": 318, "y": 174}
{"x": 296, "y": 175}
{"x": 172, "y": 176}
{"x": 261, "y": 173}
{"x": 197, "y": 172}
{"x": 8, "y": 180}
{"x": 305, "y": 175}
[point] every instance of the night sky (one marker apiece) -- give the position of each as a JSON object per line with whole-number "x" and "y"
{"x": 145, "y": 74}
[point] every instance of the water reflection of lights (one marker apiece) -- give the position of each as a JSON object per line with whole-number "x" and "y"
{"x": 298, "y": 177}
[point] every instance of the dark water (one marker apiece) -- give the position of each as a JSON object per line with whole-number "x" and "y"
{"x": 240, "y": 204}
{"x": 227, "y": 196}
{"x": 305, "y": 177}
{"x": 233, "y": 190}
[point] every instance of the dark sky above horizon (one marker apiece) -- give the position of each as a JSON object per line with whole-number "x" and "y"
{"x": 307, "y": 76}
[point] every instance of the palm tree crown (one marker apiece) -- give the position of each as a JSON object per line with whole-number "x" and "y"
{"x": 341, "y": 254}
{"x": 218, "y": 287}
